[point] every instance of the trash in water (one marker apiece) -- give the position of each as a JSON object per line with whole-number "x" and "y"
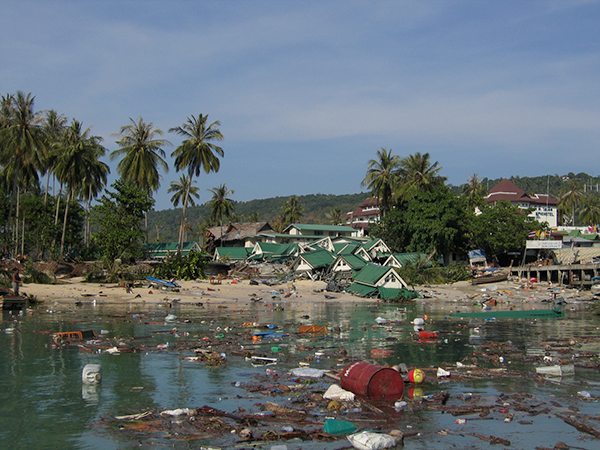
{"x": 336, "y": 427}
{"x": 335, "y": 392}
{"x": 307, "y": 372}
{"x": 368, "y": 440}
{"x": 416, "y": 376}
{"x": 441, "y": 373}
{"x": 372, "y": 381}
{"x": 91, "y": 374}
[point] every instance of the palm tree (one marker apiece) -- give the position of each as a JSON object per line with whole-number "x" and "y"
{"x": 94, "y": 179}
{"x": 181, "y": 188}
{"x": 418, "y": 174}
{"x": 335, "y": 216}
{"x": 54, "y": 127}
{"x": 381, "y": 178}
{"x": 76, "y": 156}
{"x": 22, "y": 139}
{"x": 570, "y": 199}
{"x": 590, "y": 209}
{"x": 474, "y": 190}
{"x": 278, "y": 224}
{"x": 142, "y": 154}
{"x": 220, "y": 205}
{"x": 197, "y": 152}
{"x": 291, "y": 210}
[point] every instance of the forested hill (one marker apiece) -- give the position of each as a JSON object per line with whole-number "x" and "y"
{"x": 163, "y": 225}
{"x": 315, "y": 210}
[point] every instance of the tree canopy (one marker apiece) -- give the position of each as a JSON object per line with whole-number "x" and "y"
{"x": 430, "y": 222}
{"x": 119, "y": 217}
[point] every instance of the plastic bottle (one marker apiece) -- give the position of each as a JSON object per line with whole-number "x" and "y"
{"x": 91, "y": 374}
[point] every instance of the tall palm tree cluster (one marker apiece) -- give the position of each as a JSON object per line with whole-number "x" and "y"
{"x": 393, "y": 179}
{"x": 34, "y": 144}
{"x": 574, "y": 203}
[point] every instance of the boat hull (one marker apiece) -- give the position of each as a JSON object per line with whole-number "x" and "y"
{"x": 485, "y": 279}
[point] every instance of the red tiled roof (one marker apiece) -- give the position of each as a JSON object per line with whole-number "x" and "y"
{"x": 506, "y": 190}
{"x": 369, "y": 202}
{"x": 359, "y": 225}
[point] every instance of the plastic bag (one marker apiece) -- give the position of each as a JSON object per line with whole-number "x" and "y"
{"x": 367, "y": 440}
{"x": 307, "y": 372}
{"x": 335, "y": 392}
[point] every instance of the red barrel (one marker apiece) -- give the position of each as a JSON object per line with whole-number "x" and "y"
{"x": 427, "y": 335}
{"x": 372, "y": 381}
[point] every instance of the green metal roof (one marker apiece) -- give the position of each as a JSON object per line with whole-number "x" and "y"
{"x": 360, "y": 289}
{"x": 355, "y": 262}
{"x": 345, "y": 249}
{"x": 370, "y": 244}
{"x": 413, "y": 258}
{"x": 317, "y": 227}
{"x": 234, "y": 253}
{"x": 162, "y": 248}
{"x": 318, "y": 258}
{"x": 268, "y": 247}
{"x": 371, "y": 273}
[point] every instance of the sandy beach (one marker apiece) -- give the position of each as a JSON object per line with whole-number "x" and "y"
{"x": 72, "y": 290}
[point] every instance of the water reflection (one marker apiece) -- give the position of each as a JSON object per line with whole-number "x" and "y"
{"x": 43, "y": 385}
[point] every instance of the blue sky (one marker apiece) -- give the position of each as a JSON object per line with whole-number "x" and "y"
{"x": 308, "y": 91}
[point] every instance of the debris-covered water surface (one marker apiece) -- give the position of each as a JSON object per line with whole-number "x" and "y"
{"x": 272, "y": 375}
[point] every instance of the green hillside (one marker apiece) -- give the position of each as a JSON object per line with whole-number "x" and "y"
{"x": 163, "y": 225}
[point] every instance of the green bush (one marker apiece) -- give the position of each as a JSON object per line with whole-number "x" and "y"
{"x": 190, "y": 267}
{"x": 415, "y": 276}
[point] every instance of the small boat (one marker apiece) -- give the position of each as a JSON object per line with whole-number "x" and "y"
{"x": 67, "y": 337}
{"x": 165, "y": 283}
{"x": 12, "y": 302}
{"x": 559, "y": 370}
{"x": 313, "y": 328}
{"x": 491, "y": 277}
{"x": 262, "y": 361}
{"x": 513, "y": 314}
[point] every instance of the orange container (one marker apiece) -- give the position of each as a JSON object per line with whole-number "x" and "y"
{"x": 427, "y": 335}
{"x": 372, "y": 381}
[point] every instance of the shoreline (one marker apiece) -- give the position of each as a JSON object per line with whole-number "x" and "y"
{"x": 73, "y": 290}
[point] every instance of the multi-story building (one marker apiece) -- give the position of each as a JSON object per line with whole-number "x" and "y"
{"x": 545, "y": 208}
{"x": 364, "y": 216}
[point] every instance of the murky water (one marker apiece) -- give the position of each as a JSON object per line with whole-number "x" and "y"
{"x": 44, "y": 405}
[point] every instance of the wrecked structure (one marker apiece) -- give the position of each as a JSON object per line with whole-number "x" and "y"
{"x": 364, "y": 267}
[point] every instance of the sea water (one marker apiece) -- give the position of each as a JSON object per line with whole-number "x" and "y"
{"x": 45, "y": 405}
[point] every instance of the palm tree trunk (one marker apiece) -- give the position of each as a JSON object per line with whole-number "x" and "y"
{"x": 64, "y": 230}
{"x": 23, "y": 236}
{"x": 185, "y": 200}
{"x": 88, "y": 208}
{"x": 12, "y": 196}
{"x": 47, "y": 187}
{"x": 57, "y": 204}
{"x": 16, "y": 237}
